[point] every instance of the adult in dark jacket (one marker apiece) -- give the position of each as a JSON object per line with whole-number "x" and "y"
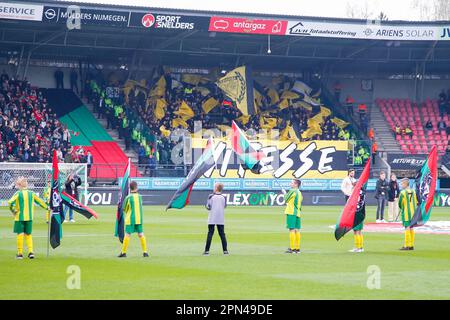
{"x": 71, "y": 185}
{"x": 393, "y": 194}
{"x": 381, "y": 194}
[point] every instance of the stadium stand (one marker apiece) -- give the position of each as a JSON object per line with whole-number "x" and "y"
{"x": 29, "y": 128}
{"x": 290, "y": 106}
{"x": 109, "y": 158}
{"x": 409, "y": 121}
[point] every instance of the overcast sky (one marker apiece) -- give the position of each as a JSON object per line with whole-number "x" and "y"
{"x": 394, "y": 9}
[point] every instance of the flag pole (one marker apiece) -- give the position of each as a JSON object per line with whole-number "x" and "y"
{"x": 129, "y": 166}
{"x": 48, "y": 233}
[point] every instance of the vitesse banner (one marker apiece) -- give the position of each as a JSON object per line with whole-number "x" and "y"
{"x": 238, "y": 86}
{"x": 282, "y": 159}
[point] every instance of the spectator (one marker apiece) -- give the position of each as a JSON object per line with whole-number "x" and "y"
{"x": 29, "y": 129}
{"x": 74, "y": 80}
{"x": 408, "y": 131}
{"x": 393, "y": 194}
{"x": 349, "y": 102}
{"x": 374, "y": 151}
{"x": 371, "y": 134}
{"x": 348, "y": 184}
{"x": 429, "y": 125}
{"x": 442, "y": 103}
{"x": 362, "y": 108}
{"x": 68, "y": 158}
{"x": 71, "y": 186}
{"x": 59, "y": 77}
{"x": 89, "y": 161}
{"x": 398, "y": 129}
{"x": 337, "y": 90}
{"x": 381, "y": 190}
{"x": 152, "y": 165}
{"x": 441, "y": 125}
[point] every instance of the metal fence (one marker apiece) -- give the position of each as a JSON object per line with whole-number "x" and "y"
{"x": 114, "y": 171}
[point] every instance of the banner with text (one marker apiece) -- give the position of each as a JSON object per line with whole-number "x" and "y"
{"x": 400, "y": 161}
{"x": 332, "y": 29}
{"x": 18, "y": 11}
{"x": 283, "y": 159}
{"x": 246, "y": 25}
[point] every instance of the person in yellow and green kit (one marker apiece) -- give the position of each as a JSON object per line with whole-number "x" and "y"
{"x": 293, "y": 200}
{"x": 132, "y": 208}
{"x": 22, "y": 206}
{"x": 46, "y": 196}
{"x": 407, "y": 203}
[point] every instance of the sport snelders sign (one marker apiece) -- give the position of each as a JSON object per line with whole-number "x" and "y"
{"x": 159, "y": 21}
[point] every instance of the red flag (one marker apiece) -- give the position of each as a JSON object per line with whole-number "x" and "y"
{"x": 354, "y": 210}
{"x": 425, "y": 189}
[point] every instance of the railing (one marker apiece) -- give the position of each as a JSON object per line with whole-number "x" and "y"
{"x": 114, "y": 171}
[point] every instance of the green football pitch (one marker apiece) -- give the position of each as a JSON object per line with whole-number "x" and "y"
{"x": 257, "y": 267}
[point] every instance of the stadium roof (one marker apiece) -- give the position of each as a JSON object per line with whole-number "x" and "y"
{"x": 201, "y": 48}
{"x": 398, "y": 10}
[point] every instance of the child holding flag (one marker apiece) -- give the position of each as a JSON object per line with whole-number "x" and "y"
{"x": 22, "y": 206}
{"x": 357, "y": 230}
{"x": 46, "y": 196}
{"x": 132, "y": 207}
{"x": 293, "y": 200}
{"x": 407, "y": 203}
{"x": 216, "y": 205}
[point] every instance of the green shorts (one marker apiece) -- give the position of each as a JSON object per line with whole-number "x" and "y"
{"x": 359, "y": 227}
{"x": 23, "y": 227}
{"x": 293, "y": 222}
{"x": 406, "y": 223}
{"x": 132, "y": 228}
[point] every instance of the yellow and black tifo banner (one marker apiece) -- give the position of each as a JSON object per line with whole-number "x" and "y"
{"x": 238, "y": 86}
{"x": 284, "y": 159}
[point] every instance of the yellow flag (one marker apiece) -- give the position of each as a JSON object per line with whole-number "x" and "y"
{"x": 339, "y": 122}
{"x": 165, "y": 132}
{"x": 160, "y": 109}
{"x": 325, "y": 111}
{"x": 283, "y": 104}
{"x": 313, "y": 127}
{"x": 179, "y": 122}
{"x": 273, "y": 95}
{"x": 209, "y": 104}
{"x": 238, "y": 85}
{"x": 243, "y": 119}
{"x": 185, "y": 112}
{"x": 289, "y": 95}
{"x": 267, "y": 123}
{"x": 223, "y": 128}
{"x": 160, "y": 88}
{"x": 258, "y": 98}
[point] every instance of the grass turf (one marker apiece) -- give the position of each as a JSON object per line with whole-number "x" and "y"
{"x": 256, "y": 269}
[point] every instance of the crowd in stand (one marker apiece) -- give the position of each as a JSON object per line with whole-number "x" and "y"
{"x": 29, "y": 129}
{"x": 121, "y": 111}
